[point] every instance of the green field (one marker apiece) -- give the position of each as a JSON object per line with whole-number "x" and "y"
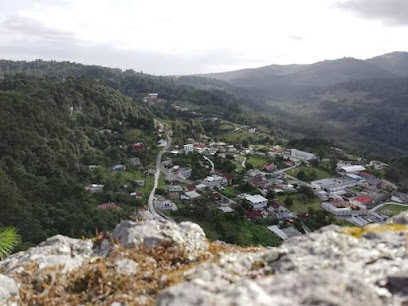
{"x": 230, "y": 192}
{"x": 320, "y": 172}
{"x": 392, "y": 210}
{"x": 258, "y": 161}
{"x": 299, "y": 204}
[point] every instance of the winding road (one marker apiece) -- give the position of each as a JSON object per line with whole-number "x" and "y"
{"x": 211, "y": 162}
{"x": 152, "y": 209}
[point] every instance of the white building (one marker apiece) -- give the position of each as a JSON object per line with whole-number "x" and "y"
{"x": 92, "y": 188}
{"x": 175, "y": 188}
{"x": 257, "y": 201}
{"x": 214, "y": 180}
{"x": 192, "y": 194}
{"x": 165, "y": 205}
{"x": 302, "y": 155}
{"x": 185, "y": 172}
{"x": 352, "y": 169}
{"x": 188, "y": 148}
{"x": 337, "y": 211}
{"x": 331, "y": 185}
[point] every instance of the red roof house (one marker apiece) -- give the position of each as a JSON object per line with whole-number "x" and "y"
{"x": 109, "y": 206}
{"x": 271, "y": 167}
{"x": 138, "y": 147}
{"x": 253, "y": 214}
{"x": 361, "y": 201}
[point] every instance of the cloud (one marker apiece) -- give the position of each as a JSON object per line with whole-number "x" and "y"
{"x": 390, "y": 12}
{"x": 26, "y": 38}
{"x": 296, "y": 37}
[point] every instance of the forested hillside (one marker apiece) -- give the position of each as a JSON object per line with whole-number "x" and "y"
{"x": 49, "y": 129}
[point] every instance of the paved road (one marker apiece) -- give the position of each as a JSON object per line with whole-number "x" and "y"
{"x": 211, "y": 162}
{"x": 385, "y": 204}
{"x": 243, "y": 163}
{"x": 152, "y": 209}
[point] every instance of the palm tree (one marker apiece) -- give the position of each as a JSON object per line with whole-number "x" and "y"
{"x": 9, "y": 239}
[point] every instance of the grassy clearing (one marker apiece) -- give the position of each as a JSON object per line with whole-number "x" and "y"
{"x": 230, "y": 192}
{"x": 391, "y": 210}
{"x": 258, "y": 161}
{"x": 299, "y": 203}
{"x": 317, "y": 173}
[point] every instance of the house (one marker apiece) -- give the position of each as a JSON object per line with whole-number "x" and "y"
{"x": 214, "y": 180}
{"x": 185, "y": 172}
{"x": 201, "y": 186}
{"x": 302, "y": 155}
{"x": 225, "y": 175}
{"x": 192, "y": 194}
{"x": 361, "y": 201}
{"x": 377, "y": 165}
{"x": 351, "y": 169}
{"x": 135, "y": 161}
{"x": 331, "y": 185}
{"x": 253, "y": 214}
{"x": 289, "y": 163}
{"x": 271, "y": 167}
{"x": 109, "y": 206}
{"x": 226, "y": 209}
{"x": 214, "y": 195}
{"x": 93, "y": 188}
{"x": 138, "y": 146}
{"x": 119, "y": 167}
{"x": 188, "y": 148}
{"x": 93, "y": 167}
{"x": 337, "y": 211}
{"x": 153, "y": 98}
{"x": 137, "y": 195}
{"x": 176, "y": 188}
{"x": 191, "y": 187}
{"x": 140, "y": 183}
{"x": 257, "y": 201}
{"x": 149, "y": 172}
{"x": 165, "y": 205}
{"x": 174, "y": 196}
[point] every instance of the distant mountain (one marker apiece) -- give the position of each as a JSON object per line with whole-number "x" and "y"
{"x": 396, "y": 62}
{"x": 298, "y": 81}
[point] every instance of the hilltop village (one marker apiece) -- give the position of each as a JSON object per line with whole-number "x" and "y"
{"x": 233, "y": 189}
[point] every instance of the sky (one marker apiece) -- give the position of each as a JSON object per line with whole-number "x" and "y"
{"x": 200, "y": 36}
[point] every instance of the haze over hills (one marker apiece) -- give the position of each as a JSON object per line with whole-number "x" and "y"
{"x": 280, "y": 81}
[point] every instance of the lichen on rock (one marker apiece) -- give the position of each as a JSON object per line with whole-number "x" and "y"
{"x": 144, "y": 263}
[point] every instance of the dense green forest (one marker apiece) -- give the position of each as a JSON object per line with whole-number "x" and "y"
{"x": 53, "y": 117}
{"x": 49, "y": 129}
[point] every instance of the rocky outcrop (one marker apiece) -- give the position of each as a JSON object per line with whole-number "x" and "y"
{"x": 186, "y": 235}
{"x": 333, "y": 266}
{"x": 173, "y": 264}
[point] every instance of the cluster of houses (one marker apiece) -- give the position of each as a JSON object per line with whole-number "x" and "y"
{"x": 153, "y": 98}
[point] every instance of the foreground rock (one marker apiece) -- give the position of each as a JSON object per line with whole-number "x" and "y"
{"x": 161, "y": 262}
{"x": 333, "y": 266}
{"x": 186, "y": 235}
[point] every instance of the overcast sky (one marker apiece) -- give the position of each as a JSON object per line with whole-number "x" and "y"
{"x": 199, "y": 36}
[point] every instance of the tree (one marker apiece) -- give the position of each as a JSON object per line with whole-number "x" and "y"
{"x": 307, "y": 191}
{"x": 270, "y": 195}
{"x": 288, "y": 202}
{"x": 245, "y": 143}
{"x": 9, "y": 239}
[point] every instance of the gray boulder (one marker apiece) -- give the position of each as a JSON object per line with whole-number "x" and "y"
{"x": 56, "y": 251}
{"x": 8, "y": 289}
{"x": 186, "y": 235}
{"x": 327, "y": 267}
